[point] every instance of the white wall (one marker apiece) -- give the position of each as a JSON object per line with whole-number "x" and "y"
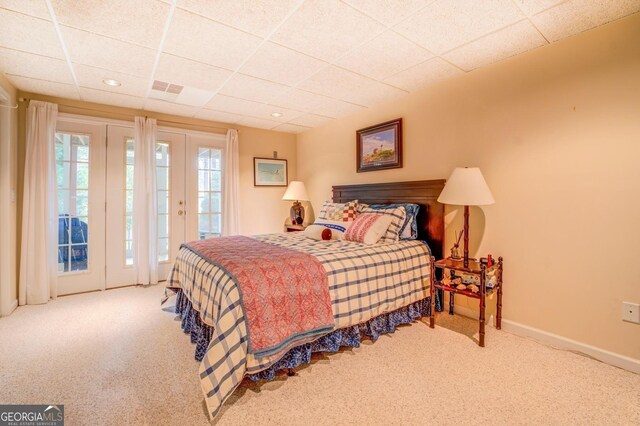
{"x": 8, "y": 182}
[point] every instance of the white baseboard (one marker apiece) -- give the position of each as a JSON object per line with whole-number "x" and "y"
{"x": 612, "y": 358}
{"x": 12, "y": 307}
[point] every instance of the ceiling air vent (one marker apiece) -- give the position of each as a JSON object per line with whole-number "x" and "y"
{"x": 191, "y": 96}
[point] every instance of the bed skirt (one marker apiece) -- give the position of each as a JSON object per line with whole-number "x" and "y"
{"x": 345, "y": 337}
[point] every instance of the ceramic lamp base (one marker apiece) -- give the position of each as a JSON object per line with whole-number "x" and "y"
{"x": 297, "y": 213}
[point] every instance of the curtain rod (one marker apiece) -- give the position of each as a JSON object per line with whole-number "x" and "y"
{"x": 9, "y": 106}
{"x": 129, "y": 116}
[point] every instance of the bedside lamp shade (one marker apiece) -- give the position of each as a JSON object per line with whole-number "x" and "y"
{"x": 296, "y": 192}
{"x": 466, "y": 187}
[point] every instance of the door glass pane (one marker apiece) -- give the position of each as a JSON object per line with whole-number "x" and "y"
{"x": 72, "y": 178}
{"x": 209, "y": 192}
{"x": 163, "y": 180}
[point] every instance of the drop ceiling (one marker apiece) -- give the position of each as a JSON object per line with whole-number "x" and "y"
{"x": 242, "y": 60}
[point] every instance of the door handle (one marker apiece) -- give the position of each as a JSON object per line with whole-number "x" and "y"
{"x": 180, "y": 212}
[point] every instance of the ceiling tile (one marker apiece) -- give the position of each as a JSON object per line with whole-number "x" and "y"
{"x": 258, "y": 17}
{"x": 185, "y": 72}
{"x": 277, "y": 63}
{"x": 222, "y": 117}
{"x": 299, "y": 100}
{"x": 194, "y": 37}
{"x": 290, "y": 128}
{"x": 92, "y": 77}
{"x": 253, "y": 89}
{"x": 496, "y": 46}
{"x": 286, "y": 114}
{"x": 576, "y": 16}
{"x": 383, "y": 56}
{"x": 424, "y": 74}
{"x": 102, "y": 52}
{"x": 139, "y": 21}
{"x": 388, "y": 11}
{"x": 44, "y": 87}
{"x": 169, "y": 108}
{"x": 111, "y": 98}
{"x": 531, "y": 7}
{"x": 348, "y": 86}
{"x": 37, "y": 8}
{"x": 445, "y": 24}
{"x": 335, "y": 109}
{"x": 34, "y": 66}
{"x": 29, "y": 34}
{"x": 325, "y": 29}
{"x": 311, "y": 120}
{"x": 258, "y": 123}
{"x": 233, "y": 105}
{"x": 302, "y": 100}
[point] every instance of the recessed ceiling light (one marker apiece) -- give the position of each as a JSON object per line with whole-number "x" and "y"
{"x": 111, "y": 82}
{"x": 276, "y": 114}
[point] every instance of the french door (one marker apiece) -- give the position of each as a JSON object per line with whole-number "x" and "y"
{"x": 95, "y": 172}
{"x": 170, "y": 174}
{"x": 80, "y": 174}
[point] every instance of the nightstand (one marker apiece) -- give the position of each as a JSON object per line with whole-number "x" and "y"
{"x": 294, "y": 228}
{"x": 482, "y": 272}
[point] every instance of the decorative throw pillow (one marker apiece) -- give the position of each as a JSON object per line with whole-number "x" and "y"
{"x": 409, "y": 229}
{"x": 338, "y": 228}
{"x": 398, "y": 216}
{"x": 368, "y": 228}
{"x": 345, "y": 212}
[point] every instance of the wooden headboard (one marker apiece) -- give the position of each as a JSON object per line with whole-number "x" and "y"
{"x": 423, "y": 192}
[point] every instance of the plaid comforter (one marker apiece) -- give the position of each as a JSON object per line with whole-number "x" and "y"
{"x": 364, "y": 282}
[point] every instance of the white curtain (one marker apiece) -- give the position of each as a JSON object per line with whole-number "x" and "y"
{"x": 231, "y": 182}
{"x": 145, "y": 206}
{"x": 39, "y": 252}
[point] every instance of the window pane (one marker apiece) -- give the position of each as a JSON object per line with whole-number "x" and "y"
{"x": 72, "y": 178}
{"x": 129, "y": 177}
{"x": 162, "y": 154}
{"x": 215, "y": 159}
{"x": 163, "y": 202}
{"x": 82, "y": 175}
{"x": 203, "y": 223}
{"x": 163, "y": 249}
{"x": 216, "y": 181}
{"x": 204, "y": 159}
{"x": 215, "y": 202}
{"x": 203, "y": 202}
{"x": 129, "y": 151}
{"x": 128, "y": 228}
{"x": 163, "y": 226}
{"x": 203, "y": 180}
{"x": 216, "y": 223}
{"x": 128, "y": 198}
{"x": 162, "y": 176}
{"x": 128, "y": 248}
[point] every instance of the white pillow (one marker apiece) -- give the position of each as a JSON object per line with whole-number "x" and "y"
{"x": 337, "y": 228}
{"x": 368, "y": 228}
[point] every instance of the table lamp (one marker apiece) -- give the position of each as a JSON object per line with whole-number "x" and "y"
{"x": 466, "y": 187}
{"x": 296, "y": 192}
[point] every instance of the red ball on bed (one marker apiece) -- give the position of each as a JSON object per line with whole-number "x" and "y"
{"x": 326, "y": 234}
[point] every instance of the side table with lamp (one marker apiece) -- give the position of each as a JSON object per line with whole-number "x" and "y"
{"x": 467, "y": 187}
{"x": 296, "y": 192}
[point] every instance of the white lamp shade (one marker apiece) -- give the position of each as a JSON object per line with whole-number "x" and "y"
{"x": 466, "y": 187}
{"x": 296, "y": 192}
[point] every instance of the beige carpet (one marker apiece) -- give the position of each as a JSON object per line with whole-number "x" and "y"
{"x": 116, "y": 357}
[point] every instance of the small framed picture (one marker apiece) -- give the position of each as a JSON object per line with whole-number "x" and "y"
{"x": 379, "y": 147}
{"x": 270, "y": 172}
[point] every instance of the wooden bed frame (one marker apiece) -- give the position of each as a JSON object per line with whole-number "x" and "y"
{"x": 424, "y": 193}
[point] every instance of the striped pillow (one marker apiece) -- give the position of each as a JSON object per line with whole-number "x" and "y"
{"x": 398, "y": 217}
{"x": 368, "y": 228}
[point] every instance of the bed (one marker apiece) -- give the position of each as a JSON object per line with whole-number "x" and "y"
{"x": 234, "y": 299}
